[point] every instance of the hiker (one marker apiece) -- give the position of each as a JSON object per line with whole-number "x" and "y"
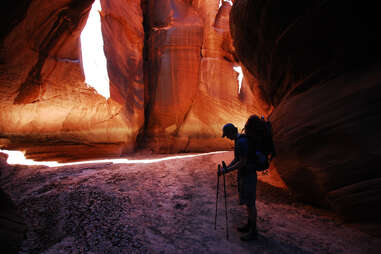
{"x": 247, "y": 160}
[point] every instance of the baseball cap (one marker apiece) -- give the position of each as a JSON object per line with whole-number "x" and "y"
{"x": 227, "y": 129}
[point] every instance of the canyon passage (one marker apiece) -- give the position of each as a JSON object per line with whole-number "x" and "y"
{"x": 176, "y": 71}
{"x": 166, "y": 207}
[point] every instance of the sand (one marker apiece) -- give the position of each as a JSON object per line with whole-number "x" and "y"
{"x": 165, "y": 207}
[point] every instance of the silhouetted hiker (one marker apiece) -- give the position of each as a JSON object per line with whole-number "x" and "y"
{"x": 248, "y": 159}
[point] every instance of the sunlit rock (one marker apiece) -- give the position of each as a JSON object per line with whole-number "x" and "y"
{"x": 46, "y": 107}
{"x": 171, "y": 70}
{"x": 191, "y": 86}
{"x": 122, "y": 28}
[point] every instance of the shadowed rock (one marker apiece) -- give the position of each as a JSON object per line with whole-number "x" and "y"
{"x": 319, "y": 66}
{"x": 12, "y": 225}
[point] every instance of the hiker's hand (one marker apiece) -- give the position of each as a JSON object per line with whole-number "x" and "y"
{"x": 221, "y": 171}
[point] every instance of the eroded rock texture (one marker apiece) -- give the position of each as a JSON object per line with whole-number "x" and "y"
{"x": 319, "y": 65}
{"x": 176, "y": 99}
{"x": 191, "y": 87}
{"x": 122, "y": 28}
{"x": 46, "y": 107}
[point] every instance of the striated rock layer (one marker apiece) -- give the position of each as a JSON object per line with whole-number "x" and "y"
{"x": 176, "y": 99}
{"x": 123, "y": 34}
{"x": 314, "y": 66}
{"x": 319, "y": 66}
{"x": 191, "y": 86}
{"x": 46, "y": 107}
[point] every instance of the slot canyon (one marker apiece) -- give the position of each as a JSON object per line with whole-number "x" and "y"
{"x": 134, "y": 163}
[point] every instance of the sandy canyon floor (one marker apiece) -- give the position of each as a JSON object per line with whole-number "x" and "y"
{"x": 165, "y": 207}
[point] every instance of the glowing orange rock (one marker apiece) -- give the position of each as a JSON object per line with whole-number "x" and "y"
{"x": 46, "y": 108}
{"x": 191, "y": 89}
{"x": 172, "y": 81}
{"x": 122, "y": 27}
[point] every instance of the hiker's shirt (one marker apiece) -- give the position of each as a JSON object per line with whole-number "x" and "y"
{"x": 247, "y": 176}
{"x": 241, "y": 149}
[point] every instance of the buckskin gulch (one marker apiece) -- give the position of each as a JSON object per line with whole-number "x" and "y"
{"x": 312, "y": 67}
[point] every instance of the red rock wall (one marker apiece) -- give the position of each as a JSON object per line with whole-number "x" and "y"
{"x": 314, "y": 66}
{"x": 123, "y": 35}
{"x": 46, "y": 108}
{"x": 191, "y": 87}
{"x": 172, "y": 82}
{"x": 318, "y": 63}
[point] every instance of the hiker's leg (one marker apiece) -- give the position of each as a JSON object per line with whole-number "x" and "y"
{"x": 246, "y": 227}
{"x": 252, "y": 213}
{"x": 252, "y": 222}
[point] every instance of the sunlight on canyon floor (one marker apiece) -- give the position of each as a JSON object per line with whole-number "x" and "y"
{"x": 164, "y": 207}
{"x": 18, "y": 158}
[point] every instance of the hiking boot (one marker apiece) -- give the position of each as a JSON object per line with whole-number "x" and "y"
{"x": 245, "y": 228}
{"x": 251, "y": 236}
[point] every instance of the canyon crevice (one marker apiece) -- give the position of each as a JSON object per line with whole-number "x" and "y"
{"x": 172, "y": 81}
{"x": 312, "y": 67}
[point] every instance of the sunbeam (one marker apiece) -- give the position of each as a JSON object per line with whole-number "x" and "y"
{"x": 238, "y": 69}
{"x": 18, "y": 158}
{"x": 93, "y": 58}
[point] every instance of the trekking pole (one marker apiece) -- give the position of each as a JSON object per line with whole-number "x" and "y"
{"x": 226, "y": 208}
{"x": 218, "y": 183}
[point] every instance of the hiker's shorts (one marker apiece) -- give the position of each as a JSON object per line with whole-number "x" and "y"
{"x": 247, "y": 186}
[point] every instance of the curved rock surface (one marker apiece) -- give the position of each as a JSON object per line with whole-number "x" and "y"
{"x": 318, "y": 63}
{"x": 46, "y": 107}
{"x": 172, "y": 81}
{"x": 191, "y": 86}
{"x": 314, "y": 66}
{"x": 123, "y": 35}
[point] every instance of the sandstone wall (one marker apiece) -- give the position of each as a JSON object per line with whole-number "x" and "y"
{"x": 46, "y": 108}
{"x": 319, "y": 66}
{"x": 123, "y": 35}
{"x": 172, "y": 82}
{"x": 191, "y": 87}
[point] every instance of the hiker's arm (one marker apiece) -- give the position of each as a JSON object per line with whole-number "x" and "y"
{"x": 241, "y": 162}
{"x": 232, "y": 162}
{"x": 237, "y": 163}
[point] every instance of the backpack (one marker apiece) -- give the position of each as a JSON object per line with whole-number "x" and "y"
{"x": 261, "y": 144}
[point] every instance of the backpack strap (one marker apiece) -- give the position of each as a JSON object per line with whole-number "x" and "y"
{"x": 270, "y": 135}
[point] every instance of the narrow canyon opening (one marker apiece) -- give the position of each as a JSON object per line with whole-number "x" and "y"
{"x": 238, "y": 69}
{"x": 111, "y": 116}
{"x": 94, "y": 61}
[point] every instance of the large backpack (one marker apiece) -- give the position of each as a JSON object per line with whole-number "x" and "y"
{"x": 261, "y": 144}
